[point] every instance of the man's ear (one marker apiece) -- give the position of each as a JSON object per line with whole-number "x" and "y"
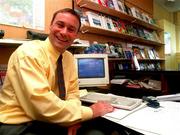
{"x": 50, "y": 26}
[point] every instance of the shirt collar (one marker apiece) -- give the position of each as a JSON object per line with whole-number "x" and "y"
{"x": 53, "y": 52}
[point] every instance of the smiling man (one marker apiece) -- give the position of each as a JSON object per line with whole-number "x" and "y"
{"x": 29, "y": 99}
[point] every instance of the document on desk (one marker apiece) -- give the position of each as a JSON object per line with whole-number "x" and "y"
{"x": 157, "y": 121}
{"x": 119, "y": 114}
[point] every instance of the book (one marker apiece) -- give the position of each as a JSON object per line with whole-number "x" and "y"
{"x": 157, "y": 66}
{"x": 145, "y": 17}
{"x": 133, "y": 10}
{"x": 140, "y": 32}
{"x": 121, "y": 102}
{"x": 155, "y": 36}
{"x": 146, "y": 52}
{"x": 115, "y": 24}
{"x": 136, "y": 63}
{"x": 3, "y": 69}
{"x": 156, "y": 55}
{"x": 107, "y": 23}
{"x": 119, "y": 50}
{"x": 110, "y": 4}
{"x": 121, "y": 26}
{"x": 136, "y": 52}
{"x": 121, "y": 6}
{"x": 130, "y": 29}
{"x": 94, "y": 19}
{"x": 142, "y": 52}
{"x": 148, "y": 35}
{"x": 128, "y": 10}
{"x": 151, "y": 54}
{"x": 102, "y": 2}
{"x": 113, "y": 51}
{"x": 128, "y": 52}
{"x": 116, "y": 6}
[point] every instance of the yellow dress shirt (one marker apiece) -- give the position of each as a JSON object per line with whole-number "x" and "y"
{"x": 30, "y": 90}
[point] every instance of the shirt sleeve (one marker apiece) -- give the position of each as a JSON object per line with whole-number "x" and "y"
{"x": 34, "y": 94}
{"x": 72, "y": 87}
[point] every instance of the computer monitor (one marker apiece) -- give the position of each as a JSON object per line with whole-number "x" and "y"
{"x": 92, "y": 69}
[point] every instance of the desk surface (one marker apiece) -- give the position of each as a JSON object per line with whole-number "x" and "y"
{"x": 150, "y": 121}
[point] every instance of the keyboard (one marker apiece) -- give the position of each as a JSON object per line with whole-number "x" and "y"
{"x": 116, "y": 101}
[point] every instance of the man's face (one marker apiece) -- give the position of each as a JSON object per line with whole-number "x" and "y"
{"x": 63, "y": 31}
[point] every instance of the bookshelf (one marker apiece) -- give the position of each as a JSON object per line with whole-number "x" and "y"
{"x": 96, "y": 7}
{"x": 7, "y": 46}
{"x": 91, "y": 33}
{"x": 126, "y": 37}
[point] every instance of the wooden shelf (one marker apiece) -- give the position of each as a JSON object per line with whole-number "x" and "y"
{"x": 96, "y": 7}
{"x": 119, "y": 35}
{"x": 11, "y": 42}
{"x": 123, "y": 59}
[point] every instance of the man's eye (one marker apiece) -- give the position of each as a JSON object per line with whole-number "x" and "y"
{"x": 71, "y": 30}
{"x": 60, "y": 25}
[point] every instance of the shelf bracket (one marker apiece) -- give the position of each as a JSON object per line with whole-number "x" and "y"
{"x": 83, "y": 5}
{"x": 133, "y": 21}
{"x": 135, "y": 39}
{"x": 84, "y": 31}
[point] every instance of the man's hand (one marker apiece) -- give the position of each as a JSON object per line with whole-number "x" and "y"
{"x": 101, "y": 108}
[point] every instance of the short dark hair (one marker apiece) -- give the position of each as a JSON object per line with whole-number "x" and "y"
{"x": 67, "y": 10}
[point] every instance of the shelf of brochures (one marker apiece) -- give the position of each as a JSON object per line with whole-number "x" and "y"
{"x": 104, "y": 32}
{"x": 122, "y": 64}
{"x": 96, "y": 7}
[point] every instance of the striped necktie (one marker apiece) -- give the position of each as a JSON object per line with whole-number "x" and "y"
{"x": 61, "y": 84}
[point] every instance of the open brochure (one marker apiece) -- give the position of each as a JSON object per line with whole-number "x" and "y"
{"x": 116, "y": 101}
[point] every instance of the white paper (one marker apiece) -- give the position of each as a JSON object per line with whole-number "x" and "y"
{"x": 164, "y": 120}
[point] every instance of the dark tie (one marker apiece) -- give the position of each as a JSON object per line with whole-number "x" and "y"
{"x": 61, "y": 85}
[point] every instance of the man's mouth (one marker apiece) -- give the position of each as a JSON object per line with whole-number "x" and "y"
{"x": 61, "y": 40}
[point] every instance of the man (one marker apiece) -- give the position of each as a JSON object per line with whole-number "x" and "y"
{"x": 29, "y": 99}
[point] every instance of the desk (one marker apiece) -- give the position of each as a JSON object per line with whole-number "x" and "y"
{"x": 150, "y": 121}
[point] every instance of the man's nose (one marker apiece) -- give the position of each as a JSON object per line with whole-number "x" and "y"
{"x": 64, "y": 30}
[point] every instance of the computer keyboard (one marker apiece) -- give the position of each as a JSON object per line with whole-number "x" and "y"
{"x": 116, "y": 101}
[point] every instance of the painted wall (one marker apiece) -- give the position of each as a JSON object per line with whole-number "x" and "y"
{"x": 50, "y": 7}
{"x": 170, "y": 63}
{"x": 166, "y": 20}
{"x": 20, "y": 33}
{"x": 177, "y": 22}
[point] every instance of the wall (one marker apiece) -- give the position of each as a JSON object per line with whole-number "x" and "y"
{"x": 170, "y": 63}
{"x": 146, "y": 6}
{"x": 177, "y": 22}
{"x": 161, "y": 13}
{"x": 50, "y": 7}
{"x": 166, "y": 20}
{"x": 20, "y": 33}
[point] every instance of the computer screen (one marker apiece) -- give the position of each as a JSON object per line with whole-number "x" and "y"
{"x": 92, "y": 69}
